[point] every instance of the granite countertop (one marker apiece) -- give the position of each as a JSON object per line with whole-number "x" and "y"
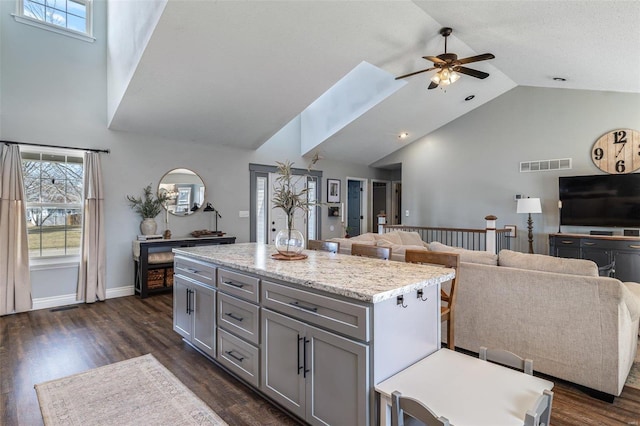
{"x": 360, "y": 278}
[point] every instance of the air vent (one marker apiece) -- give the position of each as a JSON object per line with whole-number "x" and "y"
{"x": 545, "y": 165}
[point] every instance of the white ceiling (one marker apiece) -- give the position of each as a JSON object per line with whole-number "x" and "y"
{"x": 235, "y": 72}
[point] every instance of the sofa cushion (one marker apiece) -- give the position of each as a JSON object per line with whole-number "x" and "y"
{"x": 345, "y": 243}
{"x": 541, "y": 262}
{"x": 390, "y": 237}
{"x": 410, "y": 238}
{"x": 470, "y": 256}
{"x": 400, "y": 249}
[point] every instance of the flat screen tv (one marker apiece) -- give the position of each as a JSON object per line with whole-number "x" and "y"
{"x": 600, "y": 200}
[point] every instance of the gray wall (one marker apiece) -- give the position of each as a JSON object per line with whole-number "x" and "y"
{"x": 469, "y": 168}
{"x": 54, "y": 91}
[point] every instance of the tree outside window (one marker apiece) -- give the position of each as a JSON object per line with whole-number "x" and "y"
{"x": 53, "y": 191}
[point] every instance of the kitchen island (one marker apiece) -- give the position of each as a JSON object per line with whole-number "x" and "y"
{"x": 313, "y": 335}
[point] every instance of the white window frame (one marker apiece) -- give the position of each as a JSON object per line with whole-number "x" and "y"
{"x": 19, "y": 16}
{"x": 40, "y": 262}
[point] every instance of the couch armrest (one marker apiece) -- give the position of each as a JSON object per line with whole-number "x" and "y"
{"x": 631, "y": 298}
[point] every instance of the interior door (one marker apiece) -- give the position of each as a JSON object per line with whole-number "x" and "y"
{"x": 278, "y": 219}
{"x": 379, "y": 202}
{"x": 354, "y": 203}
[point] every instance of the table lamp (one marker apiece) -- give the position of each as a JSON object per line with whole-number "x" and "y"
{"x": 210, "y": 208}
{"x": 529, "y": 205}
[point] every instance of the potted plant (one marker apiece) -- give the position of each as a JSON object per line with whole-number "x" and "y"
{"x": 288, "y": 197}
{"x": 148, "y": 207}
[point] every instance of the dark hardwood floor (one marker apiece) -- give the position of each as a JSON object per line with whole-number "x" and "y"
{"x": 45, "y": 345}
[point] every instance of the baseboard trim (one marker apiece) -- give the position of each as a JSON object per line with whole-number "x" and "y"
{"x": 70, "y": 299}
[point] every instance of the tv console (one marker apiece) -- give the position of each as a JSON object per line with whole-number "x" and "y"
{"x": 616, "y": 255}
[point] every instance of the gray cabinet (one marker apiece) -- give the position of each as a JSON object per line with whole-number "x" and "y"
{"x": 239, "y": 324}
{"x": 194, "y": 305}
{"x": 318, "y": 375}
{"x": 621, "y": 254}
{"x": 309, "y": 350}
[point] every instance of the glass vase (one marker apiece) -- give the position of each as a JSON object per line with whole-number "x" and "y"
{"x": 289, "y": 242}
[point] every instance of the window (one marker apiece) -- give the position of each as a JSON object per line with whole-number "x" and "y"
{"x": 69, "y": 17}
{"x": 53, "y": 192}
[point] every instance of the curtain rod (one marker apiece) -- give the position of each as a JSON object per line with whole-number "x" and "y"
{"x": 105, "y": 151}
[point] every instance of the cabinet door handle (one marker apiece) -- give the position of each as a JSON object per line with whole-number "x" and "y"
{"x": 589, "y": 244}
{"x": 188, "y": 301}
{"x": 231, "y": 283}
{"x": 299, "y": 366}
{"x": 634, "y": 246}
{"x": 304, "y": 358}
{"x": 237, "y": 358}
{"x": 306, "y": 308}
{"x": 234, "y": 316}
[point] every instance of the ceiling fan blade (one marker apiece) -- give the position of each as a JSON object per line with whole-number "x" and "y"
{"x": 477, "y": 58}
{"x": 434, "y": 59}
{"x": 472, "y": 73}
{"x": 414, "y": 73}
{"x": 432, "y": 85}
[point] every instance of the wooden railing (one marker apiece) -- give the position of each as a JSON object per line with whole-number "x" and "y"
{"x": 471, "y": 239}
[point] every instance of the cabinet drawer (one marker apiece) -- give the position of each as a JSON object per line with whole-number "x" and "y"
{"x": 239, "y": 356}
{"x": 239, "y": 285}
{"x": 336, "y": 315}
{"x": 197, "y": 270}
{"x": 239, "y": 317}
{"x": 571, "y": 242}
{"x": 587, "y": 243}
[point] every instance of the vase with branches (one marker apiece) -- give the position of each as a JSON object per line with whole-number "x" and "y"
{"x": 290, "y": 196}
{"x": 148, "y": 207}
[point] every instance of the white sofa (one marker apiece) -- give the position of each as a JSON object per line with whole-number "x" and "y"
{"x": 398, "y": 241}
{"x": 572, "y": 323}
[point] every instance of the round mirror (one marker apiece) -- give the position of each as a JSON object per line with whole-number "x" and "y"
{"x": 185, "y": 191}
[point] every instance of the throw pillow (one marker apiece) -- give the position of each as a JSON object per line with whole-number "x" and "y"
{"x": 391, "y": 237}
{"x": 410, "y": 238}
{"x": 541, "y": 262}
{"x": 399, "y": 249}
{"x": 469, "y": 256}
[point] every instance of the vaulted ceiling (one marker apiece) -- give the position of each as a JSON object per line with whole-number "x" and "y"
{"x": 235, "y": 72}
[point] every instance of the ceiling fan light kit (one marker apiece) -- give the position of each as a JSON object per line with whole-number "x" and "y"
{"x": 449, "y": 66}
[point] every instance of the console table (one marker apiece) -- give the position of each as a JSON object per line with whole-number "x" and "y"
{"x": 618, "y": 256}
{"x": 156, "y": 256}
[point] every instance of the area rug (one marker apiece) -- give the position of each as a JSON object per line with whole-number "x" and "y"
{"x": 138, "y": 391}
{"x": 633, "y": 380}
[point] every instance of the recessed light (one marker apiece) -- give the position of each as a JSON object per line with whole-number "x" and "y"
{"x": 559, "y": 79}
{"x": 403, "y": 135}
{"x": 468, "y": 98}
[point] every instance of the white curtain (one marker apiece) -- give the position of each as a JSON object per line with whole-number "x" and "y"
{"x": 15, "y": 279}
{"x": 92, "y": 275}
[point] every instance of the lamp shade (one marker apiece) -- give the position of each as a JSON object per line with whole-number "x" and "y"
{"x": 529, "y": 205}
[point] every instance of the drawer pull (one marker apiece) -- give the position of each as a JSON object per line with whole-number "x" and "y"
{"x": 193, "y": 271}
{"x": 589, "y": 244}
{"x": 237, "y": 358}
{"x": 567, "y": 242}
{"x": 306, "y": 308}
{"x": 634, "y": 246}
{"x": 233, "y": 316}
{"x": 231, "y": 283}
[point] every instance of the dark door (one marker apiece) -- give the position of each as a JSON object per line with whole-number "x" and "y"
{"x": 379, "y": 203}
{"x": 354, "y": 195}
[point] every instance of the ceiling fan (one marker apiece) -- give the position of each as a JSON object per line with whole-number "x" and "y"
{"x": 449, "y": 65}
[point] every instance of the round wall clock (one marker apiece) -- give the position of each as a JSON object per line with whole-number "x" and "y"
{"x": 617, "y": 152}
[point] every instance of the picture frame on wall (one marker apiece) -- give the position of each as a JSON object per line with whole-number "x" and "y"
{"x": 333, "y": 190}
